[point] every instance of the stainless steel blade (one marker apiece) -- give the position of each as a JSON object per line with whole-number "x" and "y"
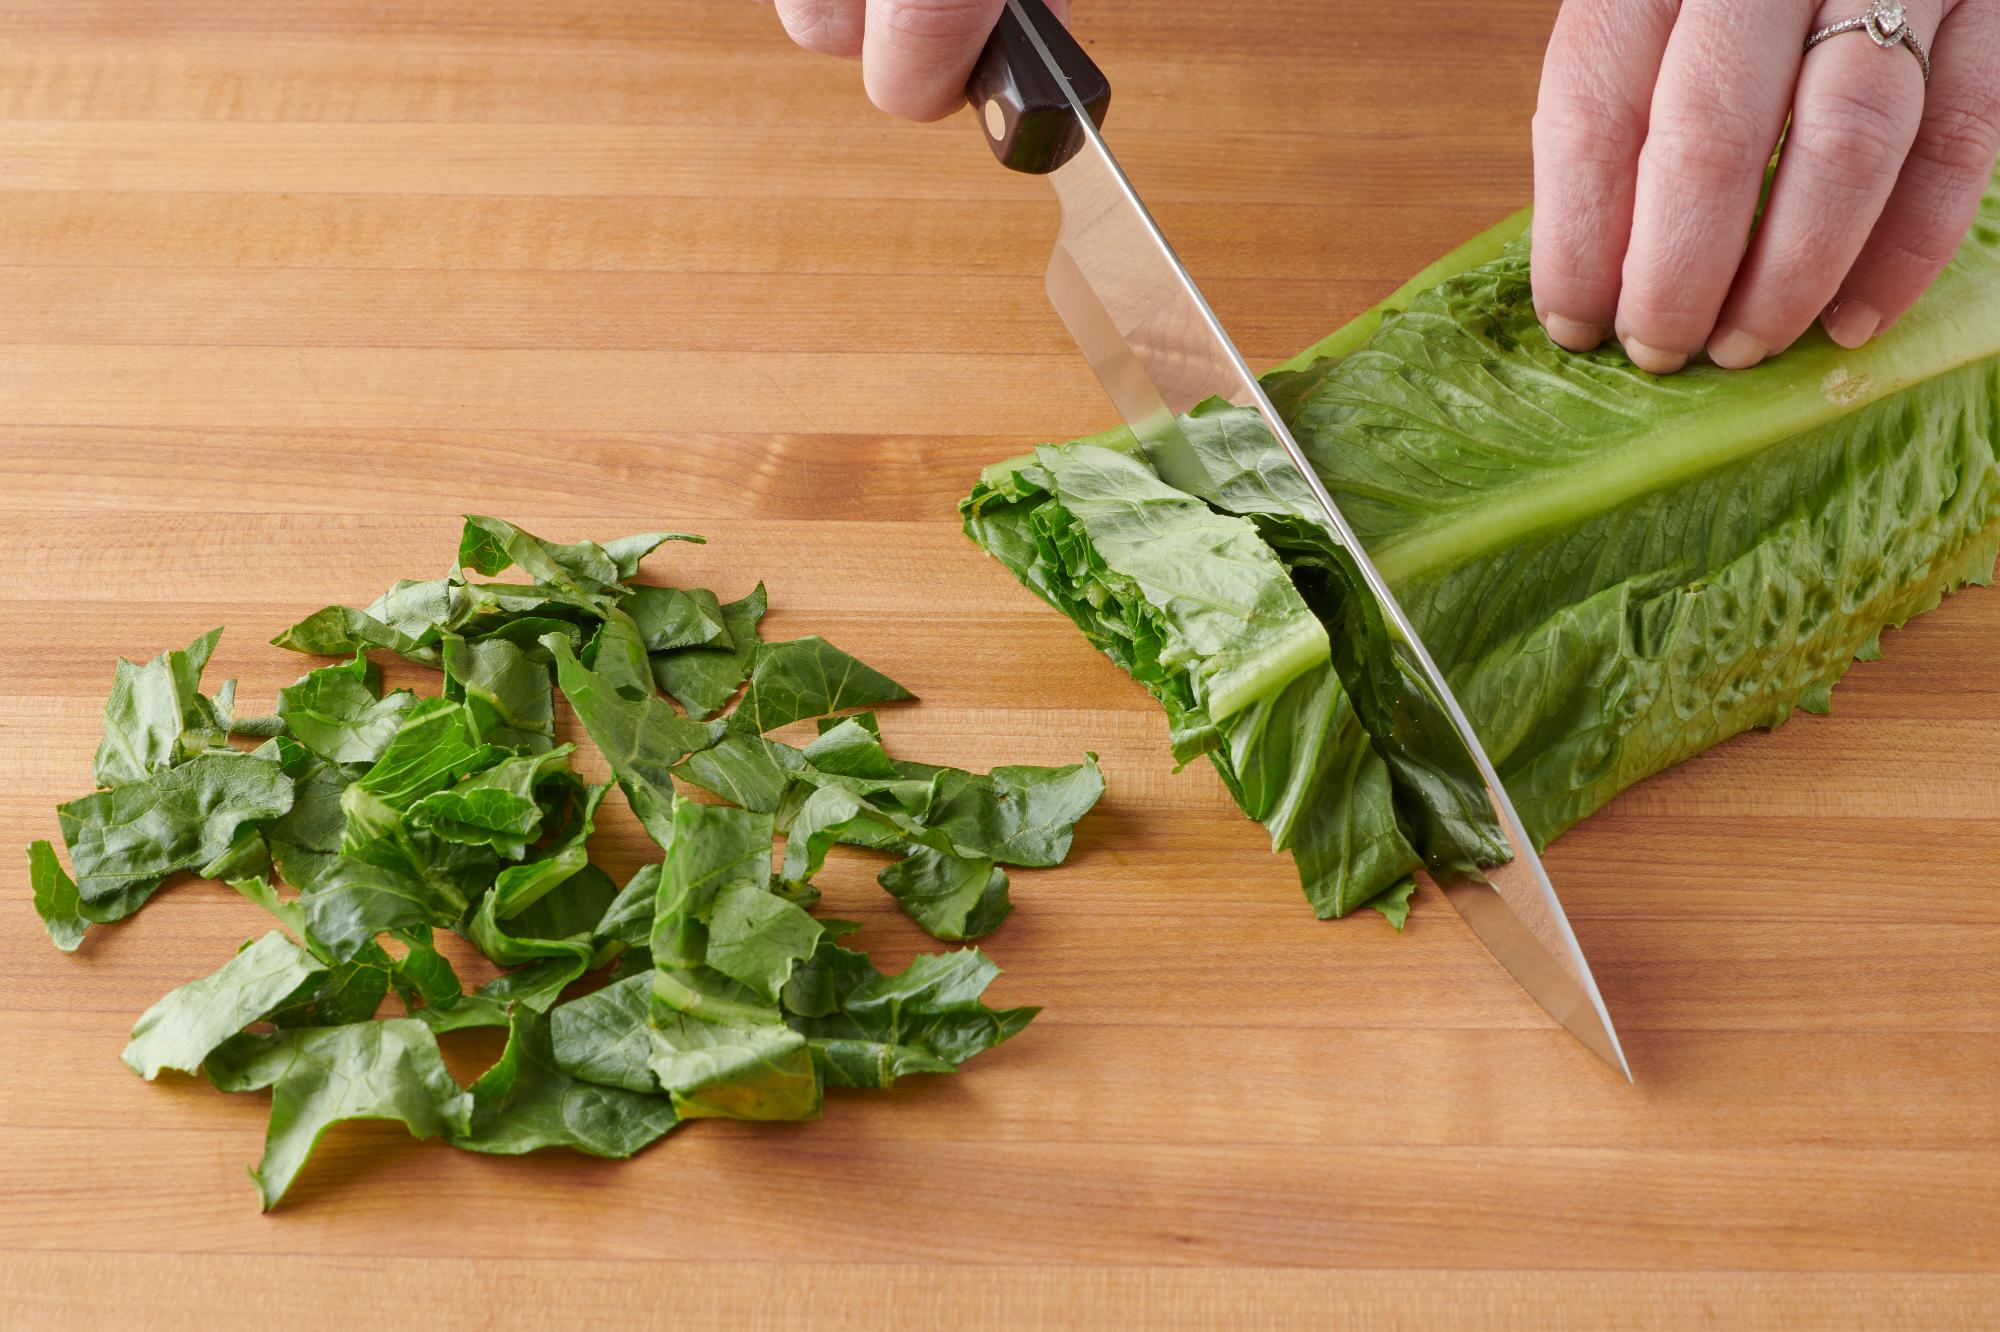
{"x": 1158, "y": 350}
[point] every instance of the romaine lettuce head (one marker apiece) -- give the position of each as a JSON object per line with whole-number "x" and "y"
{"x": 1616, "y": 570}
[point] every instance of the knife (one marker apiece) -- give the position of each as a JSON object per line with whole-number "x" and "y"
{"x": 1158, "y": 350}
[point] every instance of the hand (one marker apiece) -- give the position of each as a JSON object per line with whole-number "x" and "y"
{"x": 1656, "y": 122}
{"x": 915, "y": 54}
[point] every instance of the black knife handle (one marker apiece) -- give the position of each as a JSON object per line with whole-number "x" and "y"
{"x": 1019, "y": 105}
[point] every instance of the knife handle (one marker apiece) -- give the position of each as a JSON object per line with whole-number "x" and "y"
{"x": 1020, "y": 105}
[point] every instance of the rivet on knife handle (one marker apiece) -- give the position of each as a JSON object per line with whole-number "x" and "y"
{"x": 1020, "y": 107}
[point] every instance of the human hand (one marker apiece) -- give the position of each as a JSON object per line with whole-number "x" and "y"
{"x": 915, "y": 54}
{"x": 1656, "y": 122}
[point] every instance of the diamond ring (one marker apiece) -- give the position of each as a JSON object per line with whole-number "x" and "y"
{"x": 1886, "y": 25}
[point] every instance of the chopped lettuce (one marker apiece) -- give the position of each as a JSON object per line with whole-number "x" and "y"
{"x": 370, "y": 824}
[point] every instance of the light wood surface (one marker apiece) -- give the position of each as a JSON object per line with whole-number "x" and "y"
{"x": 285, "y": 288}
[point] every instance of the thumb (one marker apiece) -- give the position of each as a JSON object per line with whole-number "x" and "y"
{"x": 917, "y": 54}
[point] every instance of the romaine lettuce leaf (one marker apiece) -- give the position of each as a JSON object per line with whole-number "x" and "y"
{"x": 672, "y": 617}
{"x": 124, "y": 841}
{"x": 952, "y": 897}
{"x": 352, "y": 991}
{"x": 157, "y": 716}
{"x": 641, "y": 734}
{"x": 714, "y": 905}
{"x": 340, "y": 713}
{"x": 338, "y": 630}
{"x": 567, "y": 853}
{"x": 505, "y": 687}
{"x": 951, "y": 825}
{"x": 867, "y": 1029}
{"x": 496, "y": 807}
{"x": 808, "y": 677}
{"x": 179, "y": 1031}
{"x": 734, "y": 1070}
{"x": 526, "y": 1102}
{"x": 55, "y": 895}
{"x": 322, "y": 1076}
{"x": 702, "y": 679}
{"x": 583, "y": 569}
{"x": 744, "y": 768}
{"x": 605, "y": 1036}
{"x": 357, "y": 900}
{"x": 1017, "y": 815}
{"x": 556, "y": 933}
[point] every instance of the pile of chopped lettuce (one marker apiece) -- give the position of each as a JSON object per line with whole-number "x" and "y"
{"x": 1615, "y": 570}
{"x": 369, "y": 821}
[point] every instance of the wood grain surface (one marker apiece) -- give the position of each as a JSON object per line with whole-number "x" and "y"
{"x": 284, "y": 288}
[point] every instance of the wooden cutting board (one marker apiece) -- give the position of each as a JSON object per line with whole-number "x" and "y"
{"x": 286, "y": 288}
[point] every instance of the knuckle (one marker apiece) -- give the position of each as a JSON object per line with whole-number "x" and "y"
{"x": 1614, "y": 17}
{"x": 1716, "y": 151}
{"x": 1933, "y": 223}
{"x": 1580, "y": 126}
{"x": 1847, "y": 141}
{"x": 939, "y": 20}
{"x": 1799, "y": 266}
{"x": 1589, "y": 31}
{"x": 815, "y": 13}
{"x": 1657, "y": 301}
{"x": 1961, "y": 132}
{"x": 1660, "y": 299}
{"x": 821, "y": 38}
{"x": 1584, "y": 274}
{"x": 1925, "y": 251}
{"x": 1933, "y": 211}
{"x": 1649, "y": 309}
{"x": 830, "y": 27}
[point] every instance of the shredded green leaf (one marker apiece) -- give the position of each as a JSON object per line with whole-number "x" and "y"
{"x": 370, "y": 824}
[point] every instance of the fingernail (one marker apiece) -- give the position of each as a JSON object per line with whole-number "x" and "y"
{"x": 1574, "y": 334}
{"x": 1653, "y": 358}
{"x": 1851, "y": 323}
{"x": 1733, "y": 349}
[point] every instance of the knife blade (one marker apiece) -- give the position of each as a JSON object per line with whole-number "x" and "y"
{"x": 1158, "y": 349}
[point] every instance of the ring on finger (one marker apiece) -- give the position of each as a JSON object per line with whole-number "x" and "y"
{"x": 1887, "y": 25}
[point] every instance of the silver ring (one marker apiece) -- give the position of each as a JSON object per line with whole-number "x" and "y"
{"x": 1886, "y": 25}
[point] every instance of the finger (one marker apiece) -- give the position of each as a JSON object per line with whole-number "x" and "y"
{"x": 917, "y": 54}
{"x": 830, "y": 27}
{"x": 1854, "y": 115}
{"x": 1942, "y": 182}
{"x": 1725, "y": 84}
{"x": 1590, "y": 119}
